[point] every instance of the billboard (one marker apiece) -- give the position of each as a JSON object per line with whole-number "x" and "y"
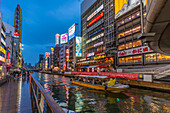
{"x": 123, "y": 6}
{"x": 95, "y": 12}
{"x": 57, "y": 39}
{"x": 78, "y": 47}
{"x": 63, "y": 38}
{"x": 96, "y": 19}
{"x": 72, "y": 31}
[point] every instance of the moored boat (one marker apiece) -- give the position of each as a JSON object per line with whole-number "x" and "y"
{"x": 89, "y": 81}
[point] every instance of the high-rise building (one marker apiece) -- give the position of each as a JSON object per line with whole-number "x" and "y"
{"x": 18, "y": 31}
{"x": 2, "y": 49}
{"x": 63, "y": 63}
{"x": 56, "y": 56}
{"x": 97, "y": 31}
{"x": 41, "y": 57}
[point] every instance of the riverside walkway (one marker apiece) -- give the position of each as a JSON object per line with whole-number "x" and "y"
{"x": 15, "y": 96}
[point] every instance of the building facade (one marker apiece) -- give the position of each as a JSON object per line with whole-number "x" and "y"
{"x": 63, "y": 63}
{"x": 2, "y": 49}
{"x": 132, "y": 49}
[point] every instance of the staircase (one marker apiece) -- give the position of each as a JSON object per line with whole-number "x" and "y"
{"x": 159, "y": 72}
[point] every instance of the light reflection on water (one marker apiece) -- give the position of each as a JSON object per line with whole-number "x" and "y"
{"x": 78, "y": 99}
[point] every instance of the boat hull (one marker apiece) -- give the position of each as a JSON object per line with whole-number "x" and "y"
{"x": 99, "y": 87}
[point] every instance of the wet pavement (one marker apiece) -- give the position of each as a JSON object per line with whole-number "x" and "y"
{"x": 15, "y": 96}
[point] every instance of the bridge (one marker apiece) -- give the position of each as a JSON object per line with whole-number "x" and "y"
{"x": 157, "y": 25}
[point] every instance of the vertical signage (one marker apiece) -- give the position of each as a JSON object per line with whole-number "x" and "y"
{"x": 57, "y": 39}
{"x": 72, "y": 31}
{"x": 78, "y": 47}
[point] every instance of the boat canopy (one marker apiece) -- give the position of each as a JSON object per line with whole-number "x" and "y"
{"x": 102, "y": 77}
{"x": 93, "y": 66}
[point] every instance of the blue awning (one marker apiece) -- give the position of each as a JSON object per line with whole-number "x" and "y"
{"x": 85, "y": 67}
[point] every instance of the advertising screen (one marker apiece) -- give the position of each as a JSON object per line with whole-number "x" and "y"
{"x": 78, "y": 47}
{"x": 64, "y": 38}
{"x": 72, "y": 31}
{"x": 57, "y": 39}
{"x": 123, "y": 6}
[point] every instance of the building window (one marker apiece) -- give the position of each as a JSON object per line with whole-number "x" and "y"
{"x": 129, "y": 31}
{"x": 137, "y": 43}
{"x": 150, "y": 57}
{"x": 161, "y": 57}
{"x": 131, "y": 60}
{"x": 129, "y": 45}
{"x": 121, "y": 47}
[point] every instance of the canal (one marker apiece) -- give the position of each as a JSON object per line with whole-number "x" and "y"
{"x": 82, "y": 100}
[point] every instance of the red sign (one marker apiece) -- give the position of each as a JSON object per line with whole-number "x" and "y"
{"x": 84, "y": 73}
{"x": 139, "y": 50}
{"x": 98, "y": 51}
{"x": 16, "y": 34}
{"x": 133, "y": 76}
{"x": 121, "y": 75}
{"x": 47, "y": 54}
{"x": 95, "y": 19}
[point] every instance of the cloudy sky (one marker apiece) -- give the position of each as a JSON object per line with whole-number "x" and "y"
{"x": 42, "y": 19}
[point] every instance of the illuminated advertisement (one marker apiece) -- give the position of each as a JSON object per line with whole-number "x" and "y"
{"x": 95, "y": 25}
{"x": 123, "y": 6}
{"x": 95, "y": 19}
{"x": 2, "y": 59}
{"x": 67, "y": 55}
{"x": 72, "y": 31}
{"x": 90, "y": 54}
{"x": 95, "y": 12}
{"x": 47, "y": 54}
{"x": 64, "y": 38}
{"x": 2, "y": 40}
{"x": 78, "y": 47}
{"x": 57, "y": 39}
{"x": 139, "y": 50}
{"x": 2, "y": 50}
{"x": 95, "y": 32}
{"x": 52, "y": 50}
{"x": 96, "y": 37}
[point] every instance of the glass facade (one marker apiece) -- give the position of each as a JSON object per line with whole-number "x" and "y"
{"x": 156, "y": 58}
{"x": 131, "y": 60}
{"x": 130, "y": 45}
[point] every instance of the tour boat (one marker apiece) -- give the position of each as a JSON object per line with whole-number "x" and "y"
{"x": 117, "y": 88}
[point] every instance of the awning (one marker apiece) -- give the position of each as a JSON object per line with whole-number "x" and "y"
{"x": 85, "y": 67}
{"x": 78, "y": 67}
{"x": 93, "y": 66}
{"x": 102, "y": 66}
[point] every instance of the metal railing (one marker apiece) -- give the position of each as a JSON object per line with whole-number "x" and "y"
{"x": 42, "y": 102}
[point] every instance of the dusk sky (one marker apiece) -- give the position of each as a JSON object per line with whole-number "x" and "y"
{"x": 42, "y": 19}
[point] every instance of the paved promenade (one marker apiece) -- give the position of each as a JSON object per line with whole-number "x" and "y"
{"x": 15, "y": 96}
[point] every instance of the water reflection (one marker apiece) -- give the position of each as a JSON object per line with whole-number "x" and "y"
{"x": 78, "y": 99}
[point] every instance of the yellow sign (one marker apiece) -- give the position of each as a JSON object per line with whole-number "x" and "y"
{"x": 2, "y": 50}
{"x": 119, "y": 5}
{"x": 99, "y": 57}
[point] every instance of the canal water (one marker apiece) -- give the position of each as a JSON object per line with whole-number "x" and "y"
{"x": 75, "y": 99}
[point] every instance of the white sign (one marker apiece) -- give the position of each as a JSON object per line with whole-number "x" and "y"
{"x": 2, "y": 59}
{"x": 95, "y": 12}
{"x": 63, "y": 38}
{"x": 90, "y": 54}
{"x": 98, "y": 44}
{"x": 96, "y": 37}
{"x": 72, "y": 31}
{"x": 2, "y": 40}
{"x": 139, "y": 50}
{"x": 57, "y": 39}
